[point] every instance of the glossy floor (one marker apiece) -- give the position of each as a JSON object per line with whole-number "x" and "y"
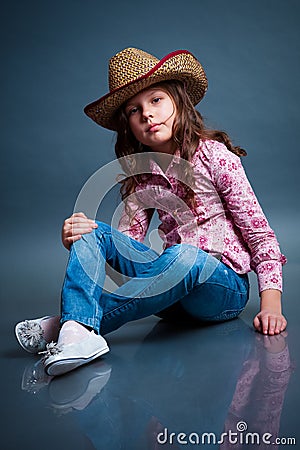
{"x": 159, "y": 379}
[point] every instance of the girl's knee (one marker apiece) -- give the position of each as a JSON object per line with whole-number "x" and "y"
{"x": 91, "y": 239}
{"x": 102, "y": 226}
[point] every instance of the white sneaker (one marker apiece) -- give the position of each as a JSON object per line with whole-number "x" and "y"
{"x": 60, "y": 359}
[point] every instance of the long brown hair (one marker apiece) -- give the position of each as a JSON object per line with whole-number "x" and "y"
{"x": 188, "y": 129}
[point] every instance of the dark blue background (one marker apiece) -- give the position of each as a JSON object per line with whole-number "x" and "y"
{"x": 53, "y": 62}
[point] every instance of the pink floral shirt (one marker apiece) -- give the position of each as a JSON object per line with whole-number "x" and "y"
{"x": 225, "y": 221}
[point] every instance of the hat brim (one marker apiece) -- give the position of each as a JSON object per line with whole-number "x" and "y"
{"x": 179, "y": 65}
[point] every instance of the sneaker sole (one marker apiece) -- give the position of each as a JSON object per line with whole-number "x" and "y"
{"x": 66, "y": 365}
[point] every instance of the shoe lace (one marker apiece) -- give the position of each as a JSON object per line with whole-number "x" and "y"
{"x": 53, "y": 348}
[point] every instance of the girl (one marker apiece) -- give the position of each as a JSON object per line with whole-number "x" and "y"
{"x": 213, "y": 228}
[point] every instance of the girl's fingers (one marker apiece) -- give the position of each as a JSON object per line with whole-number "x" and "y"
{"x": 278, "y": 326}
{"x": 265, "y": 324}
{"x": 257, "y": 323}
{"x": 283, "y": 325}
{"x": 70, "y": 240}
{"x": 73, "y": 220}
{"x": 269, "y": 324}
{"x": 79, "y": 218}
{"x": 78, "y": 226}
{"x": 74, "y": 238}
{"x": 82, "y": 222}
{"x": 78, "y": 229}
{"x": 80, "y": 214}
{"x": 261, "y": 323}
{"x": 74, "y": 227}
{"x": 272, "y": 325}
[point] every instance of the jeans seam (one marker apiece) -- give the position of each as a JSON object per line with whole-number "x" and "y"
{"x": 117, "y": 237}
{"x": 224, "y": 314}
{"x": 224, "y": 286}
{"x": 94, "y": 283}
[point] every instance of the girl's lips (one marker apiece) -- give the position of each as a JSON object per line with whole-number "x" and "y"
{"x": 154, "y": 127}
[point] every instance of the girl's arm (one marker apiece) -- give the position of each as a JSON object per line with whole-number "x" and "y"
{"x": 266, "y": 258}
{"x": 270, "y": 319}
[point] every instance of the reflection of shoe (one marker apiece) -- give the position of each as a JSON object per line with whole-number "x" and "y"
{"x": 34, "y": 377}
{"x": 30, "y": 335}
{"x": 60, "y": 359}
{"x": 76, "y": 390}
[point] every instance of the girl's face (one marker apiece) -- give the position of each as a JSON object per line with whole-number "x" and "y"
{"x": 151, "y": 114}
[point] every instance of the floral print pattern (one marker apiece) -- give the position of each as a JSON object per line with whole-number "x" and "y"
{"x": 226, "y": 221}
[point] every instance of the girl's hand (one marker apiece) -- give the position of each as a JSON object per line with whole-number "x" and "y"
{"x": 74, "y": 227}
{"x": 269, "y": 322}
{"x": 270, "y": 319}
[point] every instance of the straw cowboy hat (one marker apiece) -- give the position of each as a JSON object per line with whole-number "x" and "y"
{"x": 133, "y": 70}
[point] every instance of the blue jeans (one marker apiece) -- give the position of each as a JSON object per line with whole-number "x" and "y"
{"x": 183, "y": 279}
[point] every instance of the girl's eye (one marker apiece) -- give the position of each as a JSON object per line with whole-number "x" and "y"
{"x": 156, "y": 99}
{"x": 131, "y": 111}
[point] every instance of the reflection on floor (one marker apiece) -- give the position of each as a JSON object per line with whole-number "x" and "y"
{"x": 161, "y": 386}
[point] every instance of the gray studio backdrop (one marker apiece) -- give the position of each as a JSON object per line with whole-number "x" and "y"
{"x": 54, "y": 62}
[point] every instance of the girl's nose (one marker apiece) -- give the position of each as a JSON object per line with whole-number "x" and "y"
{"x": 147, "y": 114}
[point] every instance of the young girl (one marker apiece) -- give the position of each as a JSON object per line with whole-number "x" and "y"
{"x": 212, "y": 226}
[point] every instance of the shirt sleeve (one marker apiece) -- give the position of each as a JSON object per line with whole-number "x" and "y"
{"x": 234, "y": 187}
{"x": 135, "y": 220}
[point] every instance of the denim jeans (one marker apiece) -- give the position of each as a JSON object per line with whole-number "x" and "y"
{"x": 183, "y": 281}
